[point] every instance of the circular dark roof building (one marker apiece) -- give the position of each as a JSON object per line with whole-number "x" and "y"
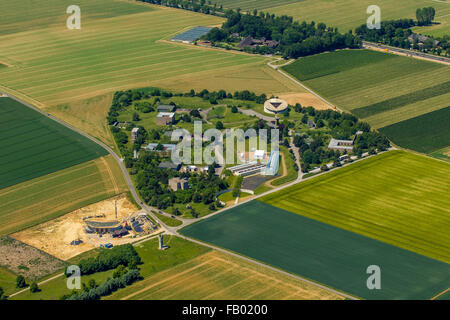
{"x": 275, "y": 106}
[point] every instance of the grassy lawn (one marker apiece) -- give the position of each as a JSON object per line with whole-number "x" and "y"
{"x": 311, "y": 249}
{"x": 171, "y": 222}
{"x": 398, "y": 198}
{"x": 291, "y": 174}
{"x": 7, "y": 281}
{"x": 50, "y": 196}
{"x": 226, "y": 197}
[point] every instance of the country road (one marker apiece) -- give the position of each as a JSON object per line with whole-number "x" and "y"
{"x": 406, "y": 52}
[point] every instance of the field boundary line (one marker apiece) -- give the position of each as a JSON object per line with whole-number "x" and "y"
{"x": 165, "y": 280}
{"x": 305, "y": 87}
{"x": 262, "y": 264}
{"x": 40, "y": 283}
{"x": 440, "y": 294}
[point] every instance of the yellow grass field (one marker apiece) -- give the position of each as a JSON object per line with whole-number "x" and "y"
{"x": 47, "y": 197}
{"x": 218, "y": 276}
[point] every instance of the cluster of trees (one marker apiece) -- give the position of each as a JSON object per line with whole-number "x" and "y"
{"x": 152, "y": 183}
{"x": 21, "y": 283}
{"x": 95, "y": 292}
{"x": 295, "y": 39}
{"x": 203, "y": 6}
{"x": 2, "y": 294}
{"x": 425, "y": 16}
{"x": 313, "y": 144}
{"x": 214, "y": 96}
{"x": 108, "y": 259}
{"x": 371, "y": 142}
{"x": 394, "y": 33}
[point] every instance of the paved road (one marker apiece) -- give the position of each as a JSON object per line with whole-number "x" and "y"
{"x": 411, "y": 53}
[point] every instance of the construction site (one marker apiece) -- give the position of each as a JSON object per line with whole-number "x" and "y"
{"x": 114, "y": 221}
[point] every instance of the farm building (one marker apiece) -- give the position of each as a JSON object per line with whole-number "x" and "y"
{"x": 421, "y": 39}
{"x": 275, "y": 106}
{"x": 165, "y": 118}
{"x": 251, "y": 42}
{"x": 178, "y": 184}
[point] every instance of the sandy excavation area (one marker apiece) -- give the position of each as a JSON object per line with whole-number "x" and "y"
{"x": 54, "y": 236}
{"x": 306, "y": 99}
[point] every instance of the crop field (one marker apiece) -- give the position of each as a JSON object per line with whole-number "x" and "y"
{"x": 35, "y": 201}
{"x": 349, "y": 14}
{"x": 426, "y": 133}
{"x": 386, "y": 198}
{"x": 33, "y": 145}
{"x": 372, "y": 85}
{"x": 323, "y": 253}
{"x": 218, "y": 276}
{"x": 249, "y": 5}
{"x": 117, "y": 49}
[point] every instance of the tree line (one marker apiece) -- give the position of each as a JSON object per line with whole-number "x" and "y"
{"x": 296, "y": 39}
{"x": 396, "y": 32}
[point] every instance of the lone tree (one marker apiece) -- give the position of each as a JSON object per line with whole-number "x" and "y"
{"x": 425, "y": 16}
{"x": 219, "y": 125}
{"x": 20, "y": 282}
{"x": 34, "y": 287}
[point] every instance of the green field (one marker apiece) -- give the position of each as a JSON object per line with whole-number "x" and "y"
{"x": 171, "y": 222}
{"x": 427, "y": 133}
{"x": 33, "y": 145}
{"x": 397, "y": 197}
{"x": 321, "y": 252}
{"x": 7, "y": 281}
{"x": 380, "y": 88}
{"x": 35, "y": 201}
